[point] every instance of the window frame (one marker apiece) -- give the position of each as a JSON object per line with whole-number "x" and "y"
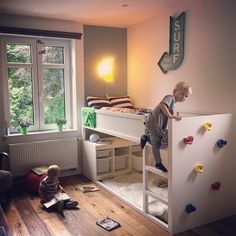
{"x": 37, "y": 78}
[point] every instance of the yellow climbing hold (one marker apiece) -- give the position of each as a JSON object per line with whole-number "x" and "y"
{"x": 208, "y": 126}
{"x": 198, "y": 168}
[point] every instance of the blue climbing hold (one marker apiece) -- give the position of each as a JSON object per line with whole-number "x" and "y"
{"x": 221, "y": 143}
{"x": 190, "y": 208}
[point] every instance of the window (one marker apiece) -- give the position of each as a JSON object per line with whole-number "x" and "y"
{"x": 37, "y": 81}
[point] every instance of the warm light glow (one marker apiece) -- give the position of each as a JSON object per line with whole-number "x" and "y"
{"x": 105, "y": 69}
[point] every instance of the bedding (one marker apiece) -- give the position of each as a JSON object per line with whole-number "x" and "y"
{"x": 121, "y": 101}
{"x": 119, "y": 109}
{"x": 113, "y": 101}
{"x": 98, "y": 102}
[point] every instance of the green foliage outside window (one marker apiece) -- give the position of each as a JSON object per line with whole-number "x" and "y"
{"x": 20, "y": 85}
{"x": 53, "y": 87}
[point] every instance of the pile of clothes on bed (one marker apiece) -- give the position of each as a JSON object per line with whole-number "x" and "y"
{"x": 138, "y": 111}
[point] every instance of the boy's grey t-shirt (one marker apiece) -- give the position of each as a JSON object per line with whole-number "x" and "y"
{"x": 157, "y": 118}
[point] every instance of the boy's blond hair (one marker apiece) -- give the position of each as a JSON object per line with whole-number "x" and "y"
{"x": 183, "y": 86}
{"x": 53, "y": 170}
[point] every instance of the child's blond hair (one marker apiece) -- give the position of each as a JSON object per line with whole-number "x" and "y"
{"x": 183, "y": 86}
{"x": 53, "y": 170}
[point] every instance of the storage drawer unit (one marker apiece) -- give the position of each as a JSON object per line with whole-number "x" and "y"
{"x": 107, "y": 160}
{"x": 137, "y": 161}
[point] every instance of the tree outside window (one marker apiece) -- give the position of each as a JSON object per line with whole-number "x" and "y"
{"x": 37, "y": 77}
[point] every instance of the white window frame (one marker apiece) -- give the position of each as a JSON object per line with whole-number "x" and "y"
{"x": 37, "y": 68}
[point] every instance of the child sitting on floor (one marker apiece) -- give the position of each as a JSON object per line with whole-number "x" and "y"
{"x": 49, "y": 186}
{"x": 156, "y": 125}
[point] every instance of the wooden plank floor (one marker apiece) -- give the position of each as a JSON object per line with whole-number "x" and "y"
{"x": 27, "y": 217}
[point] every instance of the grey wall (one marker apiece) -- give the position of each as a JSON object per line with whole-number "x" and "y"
{"x": 100, "y": 42}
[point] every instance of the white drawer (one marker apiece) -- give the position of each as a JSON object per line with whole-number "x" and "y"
{"x": 138, "y": 153}
{"x": 137, "y": 162}
{"x": 104, "y": 153}
{"x": 121, "y": 151}
{"x": 121, "y": 162}
{"x": 104, "y": 165}
{"x": 136, "y": 148}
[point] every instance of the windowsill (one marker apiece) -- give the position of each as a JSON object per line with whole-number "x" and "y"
{"x": 42, "y": 133}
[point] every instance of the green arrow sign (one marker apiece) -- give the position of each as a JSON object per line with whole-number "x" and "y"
{"x": 173, "y": 59}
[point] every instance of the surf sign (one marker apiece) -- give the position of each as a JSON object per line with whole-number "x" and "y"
{"x": 172, "y": 60}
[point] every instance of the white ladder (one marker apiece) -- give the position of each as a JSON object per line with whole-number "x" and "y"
{"x": 146, "y": 169}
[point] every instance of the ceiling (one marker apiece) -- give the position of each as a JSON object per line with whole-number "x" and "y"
{"x": 115, "y": 13}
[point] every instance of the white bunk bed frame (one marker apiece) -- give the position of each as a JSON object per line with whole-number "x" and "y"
{"x": 184, "y": 185}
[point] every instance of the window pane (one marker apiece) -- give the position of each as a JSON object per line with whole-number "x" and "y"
{"x": 20, "y": 94}
{"x": 18, "y": 53}
{"x": 54, "y": 95}
{"x": 53, "y": 55}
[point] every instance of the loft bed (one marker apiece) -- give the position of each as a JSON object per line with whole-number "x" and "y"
{"x": 120, "y": 124}
{"x": 192, "y": 199}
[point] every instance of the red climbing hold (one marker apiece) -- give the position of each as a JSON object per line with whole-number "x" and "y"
{"x": 215, "y": 186}
{"x": 188, "y": 140}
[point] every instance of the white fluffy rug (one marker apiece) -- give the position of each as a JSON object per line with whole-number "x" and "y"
{"x": 130, "y": 188}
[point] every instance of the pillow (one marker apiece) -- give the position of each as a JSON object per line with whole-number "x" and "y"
{"x": 98, "y": 102}
{"x": 121, "y": 101}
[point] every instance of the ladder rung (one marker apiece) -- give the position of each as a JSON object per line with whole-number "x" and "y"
{"x": 154, "y": 195}
{"x": 156, "y": 171}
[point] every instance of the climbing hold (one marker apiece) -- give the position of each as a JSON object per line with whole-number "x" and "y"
{"x": 190, "y": 208}
{"x": 221, "y": 143}
{"x": 207, "y": 126}
{"x": 216, "y": 186}
{"x": 188, "y": 140}
{"x": 198, "y": 168}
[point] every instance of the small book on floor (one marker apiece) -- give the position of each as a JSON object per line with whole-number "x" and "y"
{"x": 108, "y": 224}
{"x": 57, "y": 197}
{"x": 88, "y": 188}
{"x": 40, "y": 170}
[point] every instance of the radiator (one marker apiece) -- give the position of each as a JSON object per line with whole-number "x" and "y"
{"x": 25, "y": 156}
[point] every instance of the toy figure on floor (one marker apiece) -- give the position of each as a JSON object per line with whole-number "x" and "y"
{"x": 49, "y": 187}
{"x": 156, "y": 125}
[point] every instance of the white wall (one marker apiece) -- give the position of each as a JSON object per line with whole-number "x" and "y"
{"x": 209, "y": 60}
